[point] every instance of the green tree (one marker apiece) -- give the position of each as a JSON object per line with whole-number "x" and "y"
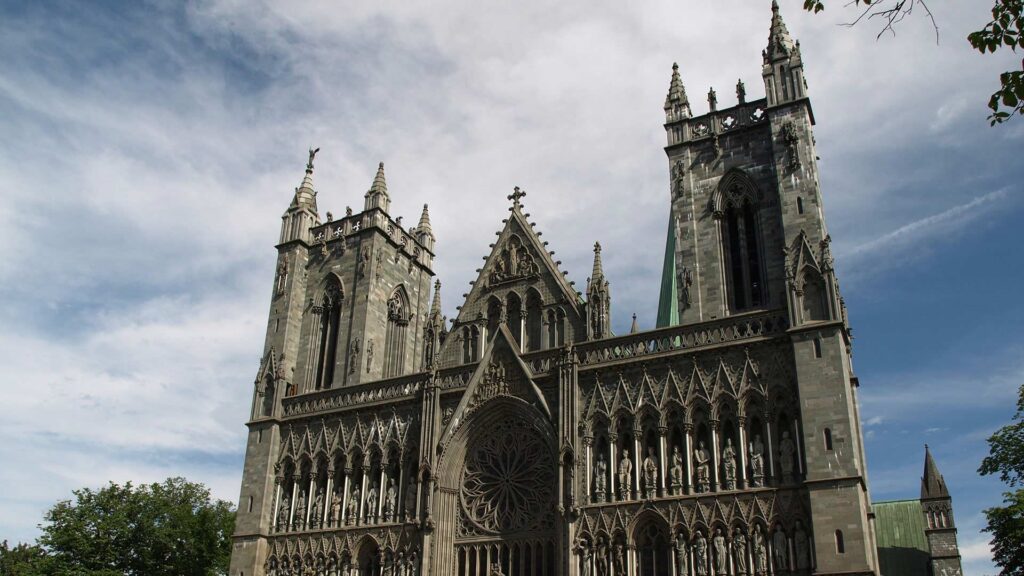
{"x": 23, "y": 560}
{"x": 1006, "y": 523}
{"x": 1006, "y": 30}
{"x": 168, "y": 529}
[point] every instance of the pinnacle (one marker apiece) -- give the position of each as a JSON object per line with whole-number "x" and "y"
{"x": 598, "y": 272}
{"x": 435, "y": 306}
{"x": 635, "y": 327}
{"x": 424, "y": 225}
{"x": 933, "y": 485}
{"x": 676, "y": 92}
{"x": 379, "y": 185}
{"x": 779, "y": 40}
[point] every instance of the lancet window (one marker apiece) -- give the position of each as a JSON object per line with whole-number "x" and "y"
{"x": 534, "y": 322}
{"x": 328, "y": 319}
{"x": 737, "y": 209}
{"x": 395, "y": 337}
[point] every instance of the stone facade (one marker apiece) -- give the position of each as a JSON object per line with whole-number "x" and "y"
{"x": 524, "y": 438}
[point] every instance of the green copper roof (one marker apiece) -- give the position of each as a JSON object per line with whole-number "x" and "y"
{"x": 668, "y": 301}
{"x": 899, "y": 531}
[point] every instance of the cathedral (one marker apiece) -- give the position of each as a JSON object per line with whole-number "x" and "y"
{"x": 525, "y": 438}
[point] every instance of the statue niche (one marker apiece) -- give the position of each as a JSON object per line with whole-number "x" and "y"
{"x": 513, "y": 263}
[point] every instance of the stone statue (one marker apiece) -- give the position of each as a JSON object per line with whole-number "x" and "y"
{"x": 585, "y": 560}
{"x": 682, "y": 567}
{"x": 410, "y": 502}
{"x": 601, "y": 560}
{"x": 650, "y": 473}
{"x": 318, "y": 506}
{"x": 780, "y": 547}
{"x": 721, "y": 553}
{"x": 283, "y": 512}
{"x": 600, "y": 470}
{"x": 300, "y": 509}
{"x": 729, "y": 465}
{"x": 700, "y": 555}
{"x": 390, "y": 498}
{"x": 787, "y": 450}
{"x": 335, "y": 509}
{"x": 495, "y": 570}
{"x": 757, "y": 461}
{"x": 353, "y": 505}
{"x": 371, "y": 503}
{"x": 760, "y": 552}
{"x": 803, "y": 560}
{"x": 625, "y": 473}
{"x": 620, "y": 564}
{"x": 701, "y": 456}
{"x": 676, "y": 471}
{"x": 739, "y": 551}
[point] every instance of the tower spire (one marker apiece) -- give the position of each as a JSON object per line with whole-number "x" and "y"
{"x": 783, "y": 67}
{"x": 435, "y": 305}
{"x": 301, "y": 214}
{"x": 598, "y": 272}
{"x": 677, "y": 105}
{"x": 599, "y": 299}
{"x": 377, "y": 195}
{"x": 933, "y": 485}
{"x": 304, "y": 194}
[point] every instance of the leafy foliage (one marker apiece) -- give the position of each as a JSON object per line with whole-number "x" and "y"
{"x": 1006, "y": 523}
{"x": 167, "y": 529}
{"x": 1004, "y": 31}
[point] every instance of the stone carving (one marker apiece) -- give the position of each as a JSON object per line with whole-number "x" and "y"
{"x": 721, "y": 556}
{"x": 701, "y": 457}
{"x": 364, "y": 260}
{"x": 353, "y": 505}
{"x": 369, "y": 354}
{"x": 760, "y": 552}
{"x": 729, "y": 465}
{"x": 600, "y": 472}
{"x": 390, "y": 499}
{"x": 602, "y": 558}
{"x": 787, "y": 452}
{"x": 682, "y": 568}
{"x": 676, "y": 471}
{"x": 741, "y": 92}
{"x": 739, "y": 550}
{"x": 446, "y": 415}
{"x": 700, "y": 555}
{"x": 283, "y": 512}
{"x": 335, "y": 517}
{"x": 619, "y": 562}
{"x": 300, "y": 510}
{"x": 791, "y": 139}
{"x": 780, "y": 547}
{"x": 625, "y": 475}
{"x": 508, "y": 479}
{"x": 756, "y": 450}
{"x": 800, "y": 547}
{"x": 371, "y": 503}
{"x": 584, "y": 560}
{"x": 716, "y": 146}
{"x": 282, "y": 275}
{"x": 712, "y": 100}
{"x": 318, "y": 506}
{"x": 495, "y": 570}
{"x": 353, "y": 356}
{"x": 513, "y": 263}
{"x": 650, "y": 465}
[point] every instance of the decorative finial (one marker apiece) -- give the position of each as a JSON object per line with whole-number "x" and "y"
{"x": 597, "y": 247}
{"x": 312, "y": 155}
{"x": 741, "y": 92}
{"x": 675, "y": 66}
{"x": 516, "y": 195}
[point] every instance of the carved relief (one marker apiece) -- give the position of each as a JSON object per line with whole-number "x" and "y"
{"x": 513, "y": 263}
{"x": 791, "y": 139}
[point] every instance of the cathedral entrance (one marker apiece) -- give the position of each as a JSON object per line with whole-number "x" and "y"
{"x": 506, "y": 497}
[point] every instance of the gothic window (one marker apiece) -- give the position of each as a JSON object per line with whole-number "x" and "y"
{"x": 736, "y": 207}
{"x": 267, "y": 406}
{"x": 329, "y": 318}
{"x": 534, "y": 321}
{"x": 394, "y": 338}
{"x": 812, "y": 296}
{"x": 494, "y": 313}
{"x": 556, "y": 328}
{"x": 470, "y": 344}
{"x": 653, "y": 550}
{"x": 514, "y": 308}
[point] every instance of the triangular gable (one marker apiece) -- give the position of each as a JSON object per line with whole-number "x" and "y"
{"x": 801, "y": 255}
{"x": 501, "y": 372}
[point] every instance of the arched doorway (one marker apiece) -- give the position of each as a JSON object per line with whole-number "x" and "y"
{"x": 499, "y": 484}
{"x": 368, "y": 558}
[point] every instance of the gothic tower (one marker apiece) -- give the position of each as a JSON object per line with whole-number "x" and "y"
{"x": 747, "y": 234}
{"x": 940, "y": 529}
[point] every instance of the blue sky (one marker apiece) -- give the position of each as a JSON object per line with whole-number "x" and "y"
{"x": 150, "y": 148}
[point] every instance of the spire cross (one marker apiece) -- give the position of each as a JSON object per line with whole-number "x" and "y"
{"x": 516, "y": 195}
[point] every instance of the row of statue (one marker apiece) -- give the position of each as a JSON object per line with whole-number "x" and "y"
{"x": 400, "y": 565}
{"x": 702, "y": 474}
{"x": 720, "y": 557}
{"x": 319, "y": 517}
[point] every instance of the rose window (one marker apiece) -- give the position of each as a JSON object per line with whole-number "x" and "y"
{"x": 508, "y": 484}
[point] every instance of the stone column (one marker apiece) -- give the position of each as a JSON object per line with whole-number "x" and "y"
{"x": 328, "y": 495}
{"x": 798, "y": 454}
{"x": 636, "y": 462}
{"x": 380, "y": 492}
{"x": 310, "y": 497}
{"x": 663, "y": 463}
{"x": 275, "y": 518}
{"x": 400, "y": 490}
{"x": 769, "y": 473}
{"x": 688, "y": 482}
{"x": 588, "y": 476}
{"x": 715, "y": 456}
{"x": 613, "y": 464}
{"x": 343, "y": 517}
{"x": 295, "y": 492}
{"x": 741, "y": 473}
{"x": 362, "y": 493}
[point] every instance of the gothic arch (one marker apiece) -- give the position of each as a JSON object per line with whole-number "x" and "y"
{"x": 736, "y": 205}
{"x": 395, "y": 336}
{"x": 734, "y": 189}
{"x": 326, "y": 309}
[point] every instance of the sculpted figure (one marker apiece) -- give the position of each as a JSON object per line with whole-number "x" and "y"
{"x": 371, "y": 503}
{"x": 601, "y": 560}
{"x": 760, "y": 552}
{"x": 625, "y": 475}
{"x": 335, "y": 508}
{"x": 787, "y": 450}
{"x": 803, "y": 560}
{"x": 721, "y": 553}
{"x": 757, "y": 461}
{"x": 318, "y": 506}
{"x": 620, "y": 563}
{"x": 389, "y": 500}
{"x": 300, "y": 509}
{"x": 700, "y": 555}
{"x": 495, "y": 570}
{"x": 676, "y": 471}
{"x": 353, "y": 504}
{"x": 780, "y": 546}
{"x": 701, "y": 456}
{"x": 682, "y": 567}
{"x": 739, "y": 551}
{"x": 650, "y": 473}
{"x": 585, "y": 560}
{"x": 283, "y": 512}
{"x": 729, "y": 465}
{"x": 600, "y": 470}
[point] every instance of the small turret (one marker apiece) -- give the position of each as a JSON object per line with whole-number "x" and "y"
{"x": 377, "y": 195}
{"x": 783, "y": 70}
{"x": 677, "y": 106}
{"x": 933, "y": 485}
{"x": 424, "y": 233}
{"x": 435, "y": 332}
{"x": 599, "y": 300}
{"x": 939, "y": 527}
{"x": 301, "y": 214}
